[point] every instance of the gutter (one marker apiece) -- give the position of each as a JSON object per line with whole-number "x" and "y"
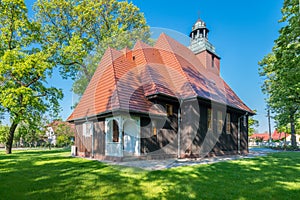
{"x": 179, "y": 128}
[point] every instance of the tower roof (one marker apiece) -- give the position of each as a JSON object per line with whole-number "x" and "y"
{"x": 199, "y": 24}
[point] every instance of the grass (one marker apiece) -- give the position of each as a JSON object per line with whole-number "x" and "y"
{"x": 54, "y": 175}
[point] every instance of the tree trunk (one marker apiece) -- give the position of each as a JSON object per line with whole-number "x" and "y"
{"x": 12, "y": 129}
{"x": 86, "y": 73}
{"x": 284, "y": 140}
{"x": 293, "y": 137}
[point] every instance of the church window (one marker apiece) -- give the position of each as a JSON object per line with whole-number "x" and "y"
{"x": 87, "y": 129}
{"x": 220, "y": 121}
{"x": 209, "y": 119}
{"x": 228, "y": 123}
{"x": 169, "y": 109}
{"x": 115, "y": 131}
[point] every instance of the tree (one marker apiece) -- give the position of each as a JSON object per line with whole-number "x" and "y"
{"x": 4, "y": 130}
{"x": 285, "y": 128}
{"x": 24, "y": 68}
{"x": 253, "y": 123}
{"x": 31, "y": 133}
{"x": 79, "y": 32}
{"x": 64, "y": 133}
{"x": 281, "y": 69}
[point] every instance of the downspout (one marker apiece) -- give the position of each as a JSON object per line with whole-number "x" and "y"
{"x": 179, "y": 129}
{"x": 92, "y": 124}
{"x": 239, "y": 135}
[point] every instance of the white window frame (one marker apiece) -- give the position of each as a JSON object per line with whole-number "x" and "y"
{"x": 87, "y": 129}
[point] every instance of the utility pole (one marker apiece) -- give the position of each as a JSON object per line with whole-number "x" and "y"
{"x": 269, "y": 122}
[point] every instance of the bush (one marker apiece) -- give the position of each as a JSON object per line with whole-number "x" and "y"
{"x": 286, "y": 148}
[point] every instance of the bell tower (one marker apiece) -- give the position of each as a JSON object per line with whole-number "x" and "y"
{"x": 202, "y": 48}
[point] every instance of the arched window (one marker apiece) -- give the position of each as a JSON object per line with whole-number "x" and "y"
{"x": 115, "y": 131}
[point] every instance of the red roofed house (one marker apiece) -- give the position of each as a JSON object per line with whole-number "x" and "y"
{"x": 58, "y": 126}
{"x": 260, "y": 136}
{"x": 161, "y": 101}
{"x": 279, "y": 135}
{"x": 275, "y": 136}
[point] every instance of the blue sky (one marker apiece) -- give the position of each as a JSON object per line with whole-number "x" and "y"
{"x": 242, "y": 32}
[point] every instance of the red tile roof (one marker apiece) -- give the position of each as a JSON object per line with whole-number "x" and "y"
{"x": 57, "y": 123}
{"x": 260, "y": 136}
{"x": 124, "y": 79}
{"x": 279, "y": 136}
{"x": 265, "y": 136}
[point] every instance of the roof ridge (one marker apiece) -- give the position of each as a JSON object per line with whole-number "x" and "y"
{"x": 166, "y": 37}
{"x": 189, "y": 81}
{"x": 125, "y": 49}
{"x": 147, "y": 68}
{"x": 103, "y": 64}
{"x": 114, "y": 75}
{"x": 141, "y": 44}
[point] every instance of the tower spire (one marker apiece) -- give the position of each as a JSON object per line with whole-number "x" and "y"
{"x": 202, "y": 48}
{"x": 199, "y": 37}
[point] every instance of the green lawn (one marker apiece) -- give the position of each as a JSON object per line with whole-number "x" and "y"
{"x": 54, "y": 175}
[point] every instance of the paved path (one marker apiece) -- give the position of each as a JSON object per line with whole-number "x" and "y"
{"x": 169, "y": 163}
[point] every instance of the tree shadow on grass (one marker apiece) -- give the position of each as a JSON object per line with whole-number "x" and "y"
{"x": 40, "y": 151}
{"x": 24, "y": 176}
{"x": 271, "y": 177}
{"x": 56, "y": 176}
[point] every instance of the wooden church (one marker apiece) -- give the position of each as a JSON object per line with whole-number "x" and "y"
{"x": 161, "y": 101}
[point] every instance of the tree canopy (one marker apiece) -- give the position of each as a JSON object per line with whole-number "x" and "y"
{"x": 253, "y": 123}
{"x": 24, "y": 68}
{"x": 281, "y": 69}
{"x": 79, "y": 32}
{"x": 69, "y": 34}
{"x": 4, "y": 129}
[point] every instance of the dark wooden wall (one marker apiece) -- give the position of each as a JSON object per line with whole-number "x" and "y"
{"x": 164, "y": 142}
{"x": 82, "y": 143}
{"x": 195, "y": 136}
{"x": 244, "y": 137}
{"x": 99, "y": 138}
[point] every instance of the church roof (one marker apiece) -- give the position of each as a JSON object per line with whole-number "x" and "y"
{"x": 125, "y": 79}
